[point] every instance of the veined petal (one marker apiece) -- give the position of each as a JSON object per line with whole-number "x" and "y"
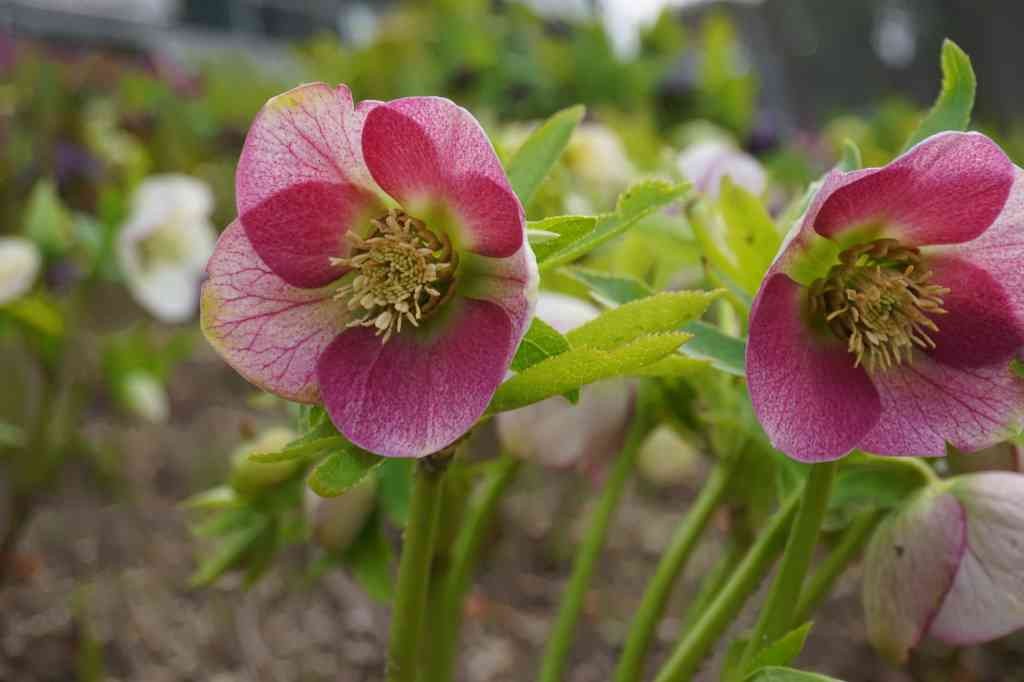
{"x": 927, "y": 403}
{"x": 305, "y": 145}
{"x": 419, "y": 392}
{"x": 425, "y": 150}
{"x": 986, "y": 600}
{"x": 271, "y": 332}
{"x": 908, "y": 570}
{"x": 948, "y": 189}
{"x": 812, "y": 402}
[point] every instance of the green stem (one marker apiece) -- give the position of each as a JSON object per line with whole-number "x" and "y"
{"x": 776, "y": 617}
{"x": 713, "y": 582}
{"x": 695, "y": 645}
{"x": 414, "y": 570}
{"x": 557, "y": 652}
{"x": 655, "y": 599}
{"x": 465, "y": 555}
{"x": 845, "y": 551}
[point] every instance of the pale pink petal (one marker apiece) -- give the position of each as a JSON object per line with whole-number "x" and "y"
{"x": 426, "y": 151}
{"x": 926, "y": 404}
{"x": 986, "y": 600}
{"x": 510, "y": 283}
{"x": 301, "y": 181}
{"x": 979, "y": 328}
{"x": 946, "y": 190}
{"x": 812, "y": 402}
{"x": 268, "y": 331}
{"x": 423, "y": 389}
{"x": 908, "y": 569}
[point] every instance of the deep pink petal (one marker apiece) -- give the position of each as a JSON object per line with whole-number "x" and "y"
{"x": 946, "y": 190}
{"x": 908, "y": 570}
{"x": 270, "y": 332}
{"x": 927, "y": 403}
{"x": 416, "y": 395}
{"x": 812, "y": 402}
{"x": 425, "y": 150}
{"x": 986, "y": 600}
{"x": 980, "y": 327}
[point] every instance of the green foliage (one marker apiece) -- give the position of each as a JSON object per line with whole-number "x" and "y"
{"x": 784, "y": 650}
{"x": 568, "y": 229}
{"x": 539, "y": 153}
{"x": 47, "y": 221}
{"x": 342, "y": 469}
{"x": 778, "y": 674}
{"x": 952, "y": 109}
{"x": 540, "y": 342}
{"x": 370, "y": 558}
{"x": 664, "y": 312}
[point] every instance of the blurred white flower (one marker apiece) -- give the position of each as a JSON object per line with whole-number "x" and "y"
{"x": 20, "y": 262}
{"x": 556, "y": 433}
{"x": 706, "y": 163}
{"x": 165, "y": 243}
{"x": 145, "y": 396}
{"x": 665, "y": 459}
{"x": 596, "y": 154}
{"x": 337, "y": 521}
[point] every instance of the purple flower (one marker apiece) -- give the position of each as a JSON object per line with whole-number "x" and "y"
{"x": 891, "y": 317}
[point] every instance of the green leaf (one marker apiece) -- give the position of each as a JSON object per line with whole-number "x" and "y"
{"x": 611, "y": 290}
{"x": 777, "y": 674}
{"x": 566, "y": 230}
{"x": 750, "y": 234}
{"x": 952, "y": 109}
{"x": 534, "y": 160}
{"x": 37, "y": 313}
{"x": 47, "y": 222}
{"x": 784, "y": 650}
{"x": 580, "y": 366}
{"x": 851, "y": 158}
{"x": 636, "y": 203}
{"x": 671, "y": 367}
{"x": 394, "y": 491}
{"x": 300, "y": 449}
{"x": 342, "y": 470}
{"x": 221, "y": 497}
{"x": 11, "y": 435}
{"x": 869, "y": 482}
{"x": 369, "y": 558}
{"x": 664, "y": 312}
{"x": 541, "y": 341}
{"x": 228, "y": 555}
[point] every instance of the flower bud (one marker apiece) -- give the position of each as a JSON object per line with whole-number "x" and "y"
{"x": 145, "y": 396}
{"x": 337, "y": 521}
{"x": 948, "y": 565}
{"x": 665, "y": 459}
{"x": 19, "y": 265}
{"x": 249, "y": 477}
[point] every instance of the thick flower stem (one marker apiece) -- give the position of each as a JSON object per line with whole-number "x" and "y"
{"x": 713, "y": 581}
{"x": 557, "y": 652}
{"x": 845, "y": 551}
{"x": 776, "y": 617}
{"x": 695, "y": 645}
{"x": 465, "y": 555}
{"x": 655, "y": 599}
{"x": 414, "y": 570}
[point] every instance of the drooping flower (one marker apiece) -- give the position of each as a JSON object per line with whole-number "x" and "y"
{"x": 165, "y": 244}
{"x": 20, "y": 262}
{"x": 378, "y": 265}
{"x": 947, "y": 565}
{"x": 706, "y": 163}
{"x": 556, "y": 433}
{"x": 891, "y": 318}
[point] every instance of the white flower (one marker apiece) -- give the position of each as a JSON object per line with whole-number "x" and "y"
{"x": 706, "y": 163}
{"x": 596, "y": 154}
{"x": 20, "y": 262}
{"x": 165, "y": 243}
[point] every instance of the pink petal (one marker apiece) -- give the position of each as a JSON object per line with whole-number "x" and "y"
{"x": 986, "y": 600}
{"x": 812, "y": 402}
{"x": 270, "y": 332}
{"x": 908, "y": 569}
{"x": 510, "y": 283}
{"x": 422, "y": 150}
{"x": 980, "y": 327}
{"x": 302, "y": 183}
{"x": 946, "y": 190}
{"x": 927, "y": 403}
{"x": 421, "y": 391}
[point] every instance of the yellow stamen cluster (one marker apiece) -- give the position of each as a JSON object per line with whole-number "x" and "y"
{"x": 402, "y": 271}
{"x": 879, "y": 300}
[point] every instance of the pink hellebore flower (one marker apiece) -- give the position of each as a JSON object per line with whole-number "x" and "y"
{"x": 556, "y": 433}
{"x": 948, "y": 566}
{"x": 378, "y": 265}
{"x": 891, "y": 317}
{"x": 706, "y": 163}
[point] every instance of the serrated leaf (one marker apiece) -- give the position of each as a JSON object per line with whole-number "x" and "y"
{"x": 750, "y": 235}
{"x": 534, "y": 160}
{"x": 636, "y": 203}
{"x": 567, "y": 229}
{"x": 580, "y": 366}
{"x": 300, "y": 449}
{"x": 664, "y": 312}
{"x": 671, "y": 367}
{"x": 784, "y": 650}
{"x": 952, "y": 108}
{"x": 777, "y": 674}
{"x": 342, "y": 470}
{"x": 541, "y": 341}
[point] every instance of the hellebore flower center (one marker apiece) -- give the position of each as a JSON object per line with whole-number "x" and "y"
{"x": 403, "y": 271}
{"x": 879, "y": 299}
